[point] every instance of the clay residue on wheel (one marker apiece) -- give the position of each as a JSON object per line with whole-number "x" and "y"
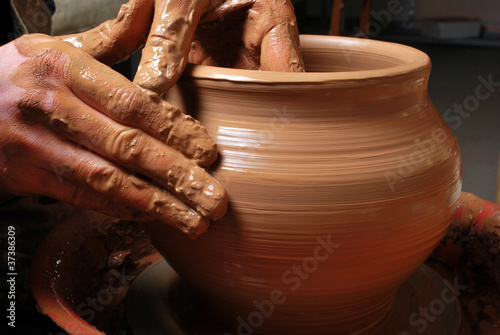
{"x": 113, "y": 254}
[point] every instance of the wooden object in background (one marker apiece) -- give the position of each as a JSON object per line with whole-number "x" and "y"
{"x": 336, "y": 20}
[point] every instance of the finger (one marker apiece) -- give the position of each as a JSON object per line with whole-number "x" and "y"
{"x": 32, "y": 180}
{"x": 77, "y": 164}
{"x": 136, "y": 150}
{"x": 280, "y": 50}
{"x": 199, "y": 55}
{"x": 271, "y": 36}
{"x": 219, "y": 41}
{"x": 207, "y": 53}
{"x": 112, "y": 182}
{"x": 115, "y": 40}
{"x": 221, "y": 9}
{"x": 113, "y": 95}
{"x": 166, "y": 50}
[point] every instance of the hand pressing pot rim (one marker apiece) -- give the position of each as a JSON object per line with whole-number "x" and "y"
{"x": 392, "y": 60}
{"x": 341, "y": 182}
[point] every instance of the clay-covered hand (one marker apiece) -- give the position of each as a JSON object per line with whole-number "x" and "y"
{"x": 475, "y": 230}
{"x": 75, "y": 130}
{"x": 251, "y": 34}
{"x": 477, "y": 215}
{"x": 472, "y": 248}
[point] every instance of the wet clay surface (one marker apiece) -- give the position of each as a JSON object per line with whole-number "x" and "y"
{"x": 160, "y": 294}
{"x": 341, "y": 182}
{"x": 115, "y": 40}
{"x": 173, "y": 127}
{"x": 238, "y": 240}
{"x": 246, "y": 34}
{"x": 57, "y": 84}
{"x": 85, "y": 266}
{"x": 119, "y": 253}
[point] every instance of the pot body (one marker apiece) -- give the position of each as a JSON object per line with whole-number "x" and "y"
{"x": 341, "y": 182}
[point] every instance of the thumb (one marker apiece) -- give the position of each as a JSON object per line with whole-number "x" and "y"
{"x": 116, "y": 39}
{"x": 165, "y": 54}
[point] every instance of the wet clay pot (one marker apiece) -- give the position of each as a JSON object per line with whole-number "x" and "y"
{"x": 341, "y": 182}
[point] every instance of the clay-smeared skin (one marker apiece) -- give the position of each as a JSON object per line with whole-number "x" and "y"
{"x": 252, "y": 34}
{"x": 75, "y": 130}
{"x": 477, "y": 214}
{"x": 471, "y": 247}
{"x": 305, "y": 156}
{"x": 115, "y": 40}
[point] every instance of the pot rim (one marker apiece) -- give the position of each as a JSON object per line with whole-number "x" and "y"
{"x": 410, "y": 60}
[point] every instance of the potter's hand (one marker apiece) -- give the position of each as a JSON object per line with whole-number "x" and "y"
{"x": 477, "y": 215}
{"x": 476, "y": 220}
{"x": 472, "y": 247}
{"x": 252, "y": 34}
{"x": 68, "y": 131}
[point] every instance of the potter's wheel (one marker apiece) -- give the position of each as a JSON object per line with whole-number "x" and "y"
{"x": 159, "y": 303}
